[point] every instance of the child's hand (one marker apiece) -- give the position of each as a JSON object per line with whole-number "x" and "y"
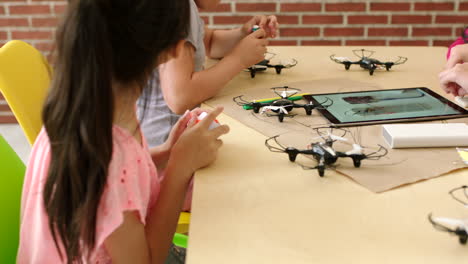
{"x": 455, "y": 80}
{"x": 251, "y": 49}
{"x": 269, "y": 24}
{"x": 178, "y": 129}
{"x": 197, "y": 146}
{"x": 458, "y": 54}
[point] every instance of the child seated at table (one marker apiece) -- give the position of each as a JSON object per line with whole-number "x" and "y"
{"x": 91, "y": 192}
{"x": 454, "y": 79}
{"x": 182, "y": 83}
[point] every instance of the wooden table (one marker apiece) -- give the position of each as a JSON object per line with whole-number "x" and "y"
{"x": 253, "y": 206}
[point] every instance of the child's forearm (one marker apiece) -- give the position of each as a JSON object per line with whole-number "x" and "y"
{"x": 162, "y": 220}
{"x": 223, "y": 41}
{"x": 160, "y": 155}
{"x": 184, "y": 89}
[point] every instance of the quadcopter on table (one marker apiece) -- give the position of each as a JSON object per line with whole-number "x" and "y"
{"x": 265, "y": 64}
{"x": 323, "y": 151}
{"x": 453, "y": 226}
{"x": 366, "y": 62}
{"x": 282, "y": 105}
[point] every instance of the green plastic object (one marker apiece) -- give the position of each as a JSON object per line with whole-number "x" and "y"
{"x": 12, "y": 172}
{"x": 180, "y": 240}
{"x": 292, "y": 98}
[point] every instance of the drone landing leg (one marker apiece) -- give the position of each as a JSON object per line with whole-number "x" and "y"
{"x": 252, "y": 73}
{"x": 308, "y": 109}
{"x": 356, "y": 162}
{"x": 256, "y": 109}
{"x": 292, "y": 153}
{"x": 321, "y": 167}
{"x": 281, "y": 117}
{"x": 278, "y": 70}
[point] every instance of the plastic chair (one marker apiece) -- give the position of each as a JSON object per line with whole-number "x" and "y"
{"x": 24, "y": 81}
{"x": 12, "y": 172}
{"x": 183, "y": 224}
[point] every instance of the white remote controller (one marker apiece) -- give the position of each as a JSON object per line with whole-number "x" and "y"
{"x": 462, "y": 101}
{"x": 214, "y": 124}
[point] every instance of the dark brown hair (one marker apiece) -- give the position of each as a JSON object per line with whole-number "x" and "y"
{"x": 98, "y": 41}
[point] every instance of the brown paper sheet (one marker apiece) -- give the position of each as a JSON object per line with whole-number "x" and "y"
{"x": 399, "y": 167}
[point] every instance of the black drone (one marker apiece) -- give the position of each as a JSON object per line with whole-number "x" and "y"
{"x": 324, "y": 153}
{"x": 265, "y": 64}
{"x": 281, "y": 106}
{"x": 366, "y": 62}
{"x": 458, "y": 227}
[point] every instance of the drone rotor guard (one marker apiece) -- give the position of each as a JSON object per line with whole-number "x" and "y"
{"x": 286, "y": 89}
{"x": 240, "y": 101}
{"x": 280, "y": 66}
{"x": 328, "y": 140}
{"x": 457, "y": 198}
{"x": 400, "y": 60}
{"x": 287, "y": 66}
{"x": 363, "y": 51}
{"x": 376, "y": 155}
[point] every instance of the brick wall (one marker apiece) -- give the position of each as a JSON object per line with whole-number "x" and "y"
{"x": 303, "y": 22}
{"x": 361, "y": 23}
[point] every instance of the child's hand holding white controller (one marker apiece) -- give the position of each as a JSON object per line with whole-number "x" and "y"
{"x": 214, "y": 124}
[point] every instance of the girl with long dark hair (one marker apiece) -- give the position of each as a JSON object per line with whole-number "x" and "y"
{"x": 92, "y": 193}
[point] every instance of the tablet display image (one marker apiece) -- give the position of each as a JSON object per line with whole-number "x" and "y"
{"x": 387, "y": 106}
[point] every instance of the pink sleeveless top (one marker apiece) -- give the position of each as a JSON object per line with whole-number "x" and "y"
{"x": 132, "y": 185}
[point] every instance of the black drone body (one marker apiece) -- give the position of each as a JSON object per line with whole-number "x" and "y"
{"x": 366, "y": 62}
{"x": 280, "y": 107}
{"x": 324, "y": 153}
{"x": 266, "y": 63}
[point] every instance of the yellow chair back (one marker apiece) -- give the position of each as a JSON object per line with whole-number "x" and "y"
{"x": 24, "y": 81}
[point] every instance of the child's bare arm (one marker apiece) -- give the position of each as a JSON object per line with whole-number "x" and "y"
{"x": 218, "y": 43}
{"x": 185, "y": 89}
{"x": 128, "y": 244}
{"x": 132, "y": 242}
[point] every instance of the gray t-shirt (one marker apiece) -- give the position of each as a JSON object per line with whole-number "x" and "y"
{"x": 158, "y": 119}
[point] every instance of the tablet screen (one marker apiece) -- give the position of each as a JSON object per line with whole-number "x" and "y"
{"x": 387, "y": 106}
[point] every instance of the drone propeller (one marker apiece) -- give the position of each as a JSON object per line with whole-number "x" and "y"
{"x": 337, "y": 138}
{"x": 357, "y": 150}
{"x": 455, "y": 226}
{"x": 269, "y": 55}
{"x": 339, "y": 59}
{"x": 288, "y": 63}
{"x": 281, "y": 109}
{"x": 451, "y": 222}
{"x": 329, "y": 134}
{"x": 329, "y": 149}
{"x": 286, "y": 93}
{"x": 257, "y": 67}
